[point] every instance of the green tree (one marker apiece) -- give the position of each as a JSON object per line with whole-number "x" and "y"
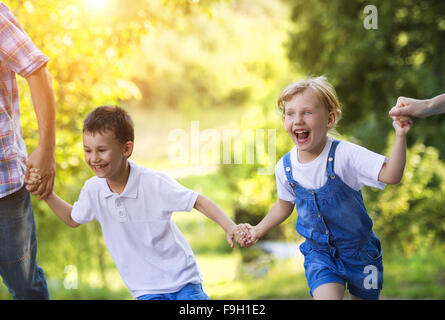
{"x": 226, "y": 55}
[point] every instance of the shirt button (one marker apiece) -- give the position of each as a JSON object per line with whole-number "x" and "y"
{"x": 319, "y": 215}
{"x": 287, "y": 169}
{"x": 327, "y": 232}
{"x": 312, "y": 192}
{"x": 330, "y": 159}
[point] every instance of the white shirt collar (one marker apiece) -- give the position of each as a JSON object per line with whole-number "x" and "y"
{"x": 131, "y": 188}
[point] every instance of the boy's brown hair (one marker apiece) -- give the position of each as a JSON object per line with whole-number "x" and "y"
{"x": 110, "y": 118}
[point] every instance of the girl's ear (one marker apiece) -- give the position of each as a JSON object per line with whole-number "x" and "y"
{"x": 331, "y": 120}
{"x": 128, "y": 148}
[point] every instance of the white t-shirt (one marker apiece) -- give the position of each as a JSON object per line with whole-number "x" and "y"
{"x": 150, "y": 252}
{"x": 355, "y": 165}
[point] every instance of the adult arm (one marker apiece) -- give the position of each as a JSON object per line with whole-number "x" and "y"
{"x": 43, "y": 157}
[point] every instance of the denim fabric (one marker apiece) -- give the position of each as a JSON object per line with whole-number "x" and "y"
{"x": 18, "y": 248}
{"x": 188, "y": 292}
{"x": 340, "y": 245}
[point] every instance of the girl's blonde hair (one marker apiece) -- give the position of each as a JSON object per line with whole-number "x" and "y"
{"x": 322, "y": 88}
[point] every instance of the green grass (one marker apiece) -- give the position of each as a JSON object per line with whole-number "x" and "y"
{"x": 224, "y": 279}
{"x": 417, "y": 276}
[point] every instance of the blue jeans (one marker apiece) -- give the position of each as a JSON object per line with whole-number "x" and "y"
{"x": 18, "y": 248}
{"x": 189, "y": 292}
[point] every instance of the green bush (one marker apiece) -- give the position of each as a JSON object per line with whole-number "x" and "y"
{"x": 410, "y": 215}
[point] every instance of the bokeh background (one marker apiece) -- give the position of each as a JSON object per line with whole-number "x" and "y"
{"x": 223, "y": 63}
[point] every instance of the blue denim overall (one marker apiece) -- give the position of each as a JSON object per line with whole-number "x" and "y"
{"x": 340, "y": 245}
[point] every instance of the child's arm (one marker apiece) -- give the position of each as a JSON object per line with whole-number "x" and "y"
{"x": 211, "y": 210}
{"x": 62, "y": 209}
{"x": 279, "y": 212}
{"x": 392, "y": 170}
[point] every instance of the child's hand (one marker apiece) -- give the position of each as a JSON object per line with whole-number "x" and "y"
{"x": 230, "y": 234}
{"x": 245, "y": 235}
{"x": 34, "y": 177}
{"x": 242, "y": 233}
{"x": 237, "y": 232}
{"x": 402, "y": 124}
{"x": 253, "y": 237}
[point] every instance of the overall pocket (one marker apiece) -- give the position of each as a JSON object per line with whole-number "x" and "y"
{"x": 372, "y": 251}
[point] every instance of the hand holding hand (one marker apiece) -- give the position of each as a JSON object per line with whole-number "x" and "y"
{"x": 45, "y": 162}
{"x": 245, "y": 235}
{"x": 402, "y": 125}
{"x": 34, "y": 178}
{"x": 411, "y": 108}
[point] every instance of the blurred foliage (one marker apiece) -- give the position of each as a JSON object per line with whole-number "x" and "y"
{"x": 225, "y": 55}
{"x": 410, "y": 215}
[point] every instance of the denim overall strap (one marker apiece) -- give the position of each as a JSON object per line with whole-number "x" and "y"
{"x": 287, "y": 166}
{"x": 331, "y": 158}
{"x": 296, "y": 187}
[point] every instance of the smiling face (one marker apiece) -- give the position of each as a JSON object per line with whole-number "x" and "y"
{"x": 307, "y": 122}
{"x": 106, "y": 155}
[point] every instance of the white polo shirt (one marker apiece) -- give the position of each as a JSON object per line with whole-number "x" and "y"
{"x": 150, "y": 252}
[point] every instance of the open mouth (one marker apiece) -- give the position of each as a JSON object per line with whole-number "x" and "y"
{"x": 302, "y": 135}
{"x": 99, "y": 167}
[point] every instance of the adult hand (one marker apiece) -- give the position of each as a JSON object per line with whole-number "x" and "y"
{"x": 411, "y": 108}
{"x": 44, "y": 160}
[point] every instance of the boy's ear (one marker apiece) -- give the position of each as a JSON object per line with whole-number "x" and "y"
{"x": 128, "y": 148}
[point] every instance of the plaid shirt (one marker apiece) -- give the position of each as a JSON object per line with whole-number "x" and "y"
{"x": 17, "y": 55}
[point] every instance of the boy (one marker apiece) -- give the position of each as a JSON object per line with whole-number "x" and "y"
{"x": 134, "y": 207}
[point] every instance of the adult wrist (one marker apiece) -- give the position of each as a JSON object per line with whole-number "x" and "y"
{"x": 47, "y": 145}
{"x": 436, "y": 105}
